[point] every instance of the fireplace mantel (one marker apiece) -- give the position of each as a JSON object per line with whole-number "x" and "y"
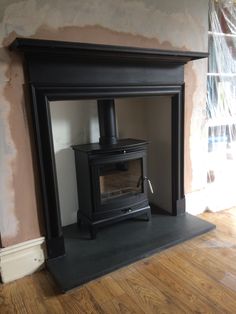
{"x": 58, "y": 70}
{"x": 79, "y": 49}
{"x": 78, "y": 64}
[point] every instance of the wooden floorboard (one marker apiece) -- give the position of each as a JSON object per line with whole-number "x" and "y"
{"x": 198, "y": 276}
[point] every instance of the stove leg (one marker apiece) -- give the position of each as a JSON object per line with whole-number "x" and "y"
{"x": 93, "y": 232}
{"x": 79, "y": 221}
{"x": 148, "y": 214}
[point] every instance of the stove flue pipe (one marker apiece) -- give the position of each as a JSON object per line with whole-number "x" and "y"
{"x": 107, "y": 121}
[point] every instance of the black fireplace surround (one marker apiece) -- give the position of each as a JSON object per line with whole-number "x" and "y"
{"x": 71, "y": 71}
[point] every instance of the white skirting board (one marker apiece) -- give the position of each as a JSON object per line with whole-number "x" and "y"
{"x": 22, "y": 259}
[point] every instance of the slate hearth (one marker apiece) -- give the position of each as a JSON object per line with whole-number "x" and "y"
{"x": 119, "y": 245}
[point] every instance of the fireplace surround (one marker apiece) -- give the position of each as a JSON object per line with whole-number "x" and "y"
{"x": 57, "y": 70}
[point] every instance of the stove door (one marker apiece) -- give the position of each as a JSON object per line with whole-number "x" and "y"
{"x": 119, "y": 180}
{"x": 119, "y": 183}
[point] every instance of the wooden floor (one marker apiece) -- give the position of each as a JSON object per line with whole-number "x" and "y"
{"x": 198, "y": 276}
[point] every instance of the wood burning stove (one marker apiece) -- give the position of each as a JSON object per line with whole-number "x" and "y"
{"x": 111, "y": 175}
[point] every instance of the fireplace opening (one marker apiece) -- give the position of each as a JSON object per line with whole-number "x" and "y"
{"x": 125, "y": 172}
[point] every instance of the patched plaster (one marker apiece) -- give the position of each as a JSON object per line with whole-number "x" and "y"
{"x": 146, "y": 18}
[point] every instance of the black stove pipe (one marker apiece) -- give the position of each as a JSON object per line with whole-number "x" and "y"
{"x": 107, "y": 121}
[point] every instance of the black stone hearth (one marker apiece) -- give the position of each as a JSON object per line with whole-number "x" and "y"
{"x": 119, "y": 245}
{"x": 57, "y": 71}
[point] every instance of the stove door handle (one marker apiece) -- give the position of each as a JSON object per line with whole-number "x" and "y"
{"x": 149, "y": 184}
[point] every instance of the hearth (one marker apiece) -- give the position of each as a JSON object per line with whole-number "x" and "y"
{"x": 75, "y": 71}
{"x": 111, "y": 175}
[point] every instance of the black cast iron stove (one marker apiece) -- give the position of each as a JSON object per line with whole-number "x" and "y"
{"x": 111, "y": 175}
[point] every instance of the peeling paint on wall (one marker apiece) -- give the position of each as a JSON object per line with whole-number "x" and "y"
{"x": 195, "y": 125}
{"x": 8, "y": 221}
{"x": 140, "y": 23}
{"x": 198, "y": 129}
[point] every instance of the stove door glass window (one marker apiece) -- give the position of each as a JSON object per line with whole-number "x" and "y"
{"x": 120, "y": 180}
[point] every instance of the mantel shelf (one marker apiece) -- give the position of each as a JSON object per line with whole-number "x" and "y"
{"x": 38, "y": 46}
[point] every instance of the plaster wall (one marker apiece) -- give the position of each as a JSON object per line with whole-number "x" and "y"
{"x": 167, "y": 24}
